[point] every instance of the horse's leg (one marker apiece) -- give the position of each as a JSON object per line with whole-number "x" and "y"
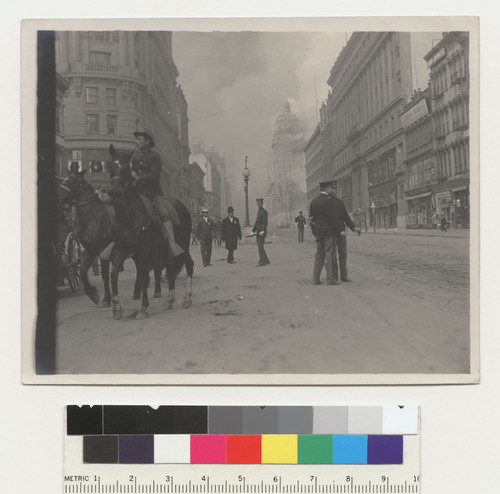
{"x": 137, "y": 285}
{"x": 188, "y": 302}
{"x": 117, "y": 308}
{"x": 156, "y": 259}
{"x": 106, "y": 301}
{"x": 170, "y": 265}
{"x": 144, "y": 275}
{"x": 89, "y": 289}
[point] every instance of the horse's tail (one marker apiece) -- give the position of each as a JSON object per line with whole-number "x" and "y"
{"x": 182, "y": 234}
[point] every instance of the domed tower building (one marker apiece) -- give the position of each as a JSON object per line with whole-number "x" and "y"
{"x": 288, "y": 175}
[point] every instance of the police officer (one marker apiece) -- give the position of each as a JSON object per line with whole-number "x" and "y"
{"x": 146, "y": 169}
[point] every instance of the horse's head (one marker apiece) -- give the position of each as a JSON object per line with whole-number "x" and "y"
{"x": 72, "y": 188}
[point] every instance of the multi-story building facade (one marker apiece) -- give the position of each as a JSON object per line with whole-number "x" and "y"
{"x": 196, "y": 189}
{"x": 121, "y": 82}
{"x": 314, "y": 164}
{"x": 215, "y": 185}
{"x": 288, "y": 181}
{"x": 450, "y": 80}
{"x": 420, "y": 162}
{"x": 61, "y": 169}
{"x": 371, "y": 81}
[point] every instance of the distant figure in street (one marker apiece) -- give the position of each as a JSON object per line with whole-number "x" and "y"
{"x": 260, "y": 229}
{"x": 444, "y": 224}
{"x": 230, "y": 233}
{"x": 194, "y": 241}
{"x": 321, "y": 217}
{"x": 341, "y": 218}
{"x": 301, "y": 223}
{"x": 217, "y": 227}
{"x": 204, "y": 233}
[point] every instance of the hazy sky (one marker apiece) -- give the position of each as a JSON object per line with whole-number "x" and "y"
{"x": 236, "y": 85}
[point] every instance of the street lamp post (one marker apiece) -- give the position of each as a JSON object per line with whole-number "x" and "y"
{"x": 246, "y": 176}
{"x": 372, "y": 207}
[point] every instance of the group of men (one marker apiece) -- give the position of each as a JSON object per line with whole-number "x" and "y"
{"x": 231, "y": 234}
{"x": 328, "y": 218}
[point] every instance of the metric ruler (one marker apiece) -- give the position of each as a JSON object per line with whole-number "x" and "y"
{"x": 90, "y": 470}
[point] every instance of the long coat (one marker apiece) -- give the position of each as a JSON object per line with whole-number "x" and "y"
{"x": 231, "y": 232}
{"x": 341, "y": 217}
{"x": 322, "y": 215}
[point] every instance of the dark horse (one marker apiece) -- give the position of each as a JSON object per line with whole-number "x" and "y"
{"x": 132, "y": 232}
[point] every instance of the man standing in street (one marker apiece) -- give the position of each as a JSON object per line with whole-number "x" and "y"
{"x": 230, "y": 233}
{"x": 260, "y": 229}
{"x": 341, "y": 219}
{"x": 204, "y": 233}
{"x": 321, "y": 217}
{"x": 301, "y": 223}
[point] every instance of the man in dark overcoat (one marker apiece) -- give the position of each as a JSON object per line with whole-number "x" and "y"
{"x": 341, "y": 218}
{"x": 321, "y": 218}
{"x": 260, "y": 229}
{"x": 230, "y": 233}
{"x": 204, "y": 233}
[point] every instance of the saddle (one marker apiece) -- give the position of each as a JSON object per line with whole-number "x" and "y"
{"x": 153, "y": 215}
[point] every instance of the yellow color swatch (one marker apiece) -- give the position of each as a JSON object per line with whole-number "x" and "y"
{"x": 279, "y": 448}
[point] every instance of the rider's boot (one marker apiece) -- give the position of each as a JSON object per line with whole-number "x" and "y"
{"x": 174, "y": 249}
{"x": 106, "y": 253}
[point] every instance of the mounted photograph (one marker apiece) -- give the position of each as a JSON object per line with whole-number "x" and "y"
{"x": 250, "y": 201}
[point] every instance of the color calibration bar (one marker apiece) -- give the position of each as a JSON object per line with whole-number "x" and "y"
{"x": 242, "y": 435}
{"x": 282, "y": 449}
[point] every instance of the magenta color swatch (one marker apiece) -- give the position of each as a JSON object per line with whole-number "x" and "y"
{"x": 208, "y": 448}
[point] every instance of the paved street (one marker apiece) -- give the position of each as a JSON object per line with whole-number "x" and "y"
{"x": 406, "y": 311}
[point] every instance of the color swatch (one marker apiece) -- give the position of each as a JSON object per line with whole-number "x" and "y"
{"x": 242, "y": 435}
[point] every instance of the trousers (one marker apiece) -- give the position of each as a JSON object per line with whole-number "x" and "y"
{"x": 323, "y": 257}
{"x": 263, "y": 259}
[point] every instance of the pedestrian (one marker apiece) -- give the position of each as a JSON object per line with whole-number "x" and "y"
{"x": 193, "y": 234}
{"x": 444, "y": 224}
{"x": 260, "y": 229}
{"x": 301, "y": 223}
{"x": 204, "y": 233}
{"x": 321, "y": 220}
{"x": 341, "y": 218}
{"x": 146, "y": 169}
{"x": 230, "y": 233}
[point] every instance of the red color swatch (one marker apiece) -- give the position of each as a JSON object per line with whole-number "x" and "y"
{"x": 244, "y": 449}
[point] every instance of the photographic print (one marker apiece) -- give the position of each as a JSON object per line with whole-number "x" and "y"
{"x": 251, "y": 201}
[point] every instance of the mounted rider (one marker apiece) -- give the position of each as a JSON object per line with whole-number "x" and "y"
{"x": 146, "y": 168}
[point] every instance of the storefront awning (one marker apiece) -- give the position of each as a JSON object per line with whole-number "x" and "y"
{"x": 456, "y": 189}
{"x": 418, "y": 196}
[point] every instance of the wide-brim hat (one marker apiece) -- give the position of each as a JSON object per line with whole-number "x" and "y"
{"x": 259, "y": 200}
{"x": 146, "y": 135}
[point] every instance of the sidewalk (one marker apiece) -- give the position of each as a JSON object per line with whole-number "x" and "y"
{"x": 435, "y": 232}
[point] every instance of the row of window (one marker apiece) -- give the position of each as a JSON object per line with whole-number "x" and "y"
{"x": 453, "y": 160}
{"x": 383, "y": 169}
{"x": 421, "y": 173}
{"x": 458, "y": 69}
{"x": 459, "y": 113}
{"x": 92, "y": 95}
{"x": 93, "y": 124}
